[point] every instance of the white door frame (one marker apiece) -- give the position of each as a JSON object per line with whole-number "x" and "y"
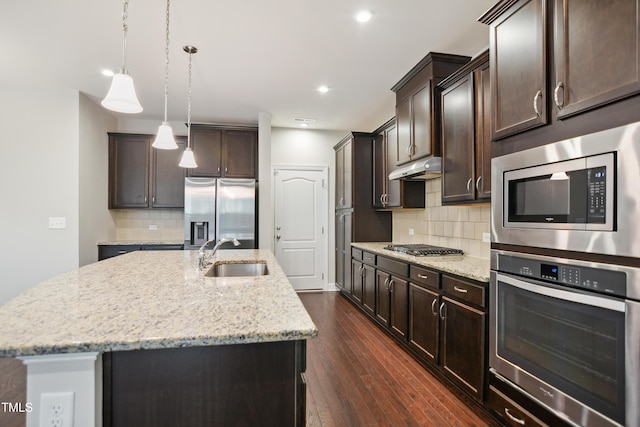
{"x": 325, "y": 211}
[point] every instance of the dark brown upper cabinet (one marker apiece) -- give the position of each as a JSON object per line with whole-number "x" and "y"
{"x": 417, "y": 107}
{"x": 222, "y": 151}
{"x": 466, "y": 141}
{"x": 396, "y": 194}
{"x": 554, "y": 59}
{"x": 143, "y": 177}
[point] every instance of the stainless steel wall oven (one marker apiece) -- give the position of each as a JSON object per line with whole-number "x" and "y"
{"x": 565, "y": 279}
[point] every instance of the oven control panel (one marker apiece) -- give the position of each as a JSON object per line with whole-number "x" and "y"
{"x": 595, "y": 279}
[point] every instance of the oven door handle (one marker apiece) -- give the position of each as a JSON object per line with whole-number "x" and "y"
{"x": 554, "y": 292}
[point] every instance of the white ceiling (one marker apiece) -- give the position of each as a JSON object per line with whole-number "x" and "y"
{"x": 253, "y": 55}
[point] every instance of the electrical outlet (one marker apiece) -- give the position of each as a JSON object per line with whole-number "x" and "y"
{"x": 56, "y": 409}
{"x": 411, "y": 231}
{"x": 57, "y": 223}
{"x": 486, "y": 237}
{"x": 153, "y": 227}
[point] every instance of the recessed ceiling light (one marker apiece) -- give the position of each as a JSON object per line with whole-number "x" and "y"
{"x": 108, "y": 73}
{"x": 303, "y": 122}
{"x": 364, "y": 16}
{"x": 323, "y": 89}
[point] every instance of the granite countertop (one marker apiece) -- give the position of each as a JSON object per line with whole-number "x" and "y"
{"x": 461, "y": 265}
{"x": 153, "y": 299}
{"x": 141, "y": 242}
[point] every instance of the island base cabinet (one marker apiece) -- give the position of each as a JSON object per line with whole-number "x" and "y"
{"x": 226, "y": 385}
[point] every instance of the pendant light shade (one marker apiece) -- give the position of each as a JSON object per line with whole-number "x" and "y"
{"x": 164, "y": 139}
{"x": 188, "y": 160}
{"x": 122, "y": 96}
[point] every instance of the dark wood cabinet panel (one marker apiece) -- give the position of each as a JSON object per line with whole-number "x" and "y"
{"x": 404, "y": 124}
{"x": 223, "y": 151}
{"x": 398, "y": 320}
{"x": 383, "y": 298}
{"x": 466, "y": 144}
{"x": 424, "y": 322}
{"x": 368, "y": 289}
{"x": 596, "y": 53}
{"x": 141, "y": 176}
{"x": 356, "y": 281}
{"x": 343, "y": 250}
{"x": 422, "y": 116}
{"x": 129, "y": 171}
{"x": 109, "y": 251}
{"x": 344, "y": 176}
{"x": 462, "y": 339}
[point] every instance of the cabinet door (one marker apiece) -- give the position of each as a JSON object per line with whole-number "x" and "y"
{"x": 421, "y": 115}
{"x": 458, "y": 140}
{"x": 404, "y": 133}
{"x": 128, "y": 171}
{"x": 423, "y": 322}
{"x": 167, "y": 179}
{"x": 239, "y": 153}
{"x": 596, "y": 53}
{"x": 399, "y": 303}
{"x": 346, "y": 249}
{"x": 379, "y": 171}
{"x": 518, "y": 68}
{"x": 462, "y": 345}
{"x": 368, "y": 289}
{"x": 393, "y": 193}
{"x": 348, "y": 175}
{"x": 339, "y": 178}
{"x": 340, "y": 238}
{"x": 482, "y": 78}
{"x": 357, "y": 274}
{"x": 207, "y": 150}
{"x": 383, "y": 297}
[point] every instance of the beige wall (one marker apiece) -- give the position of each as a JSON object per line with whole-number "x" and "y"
{"x": 459, "y": 227}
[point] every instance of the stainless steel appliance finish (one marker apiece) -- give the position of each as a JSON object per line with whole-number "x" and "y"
{"x": 609, "y": 195}
{"x": 219, "y": 208}
{"x": 423, "y": 250}
{"x": 565, "y": 332}
{"x": 422, "y": 169}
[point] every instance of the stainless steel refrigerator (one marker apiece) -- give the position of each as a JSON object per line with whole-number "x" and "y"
{"x": 215, "y": 208}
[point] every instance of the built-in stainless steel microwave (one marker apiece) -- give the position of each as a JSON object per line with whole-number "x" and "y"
{"x": 581, "y": 194}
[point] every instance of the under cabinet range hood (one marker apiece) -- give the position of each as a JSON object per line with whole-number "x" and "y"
{"x": 428, "y": 168}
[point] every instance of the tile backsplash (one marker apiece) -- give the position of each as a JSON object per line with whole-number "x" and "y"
{"x": 135, "y": 224}
{"x": 459, "y": 227}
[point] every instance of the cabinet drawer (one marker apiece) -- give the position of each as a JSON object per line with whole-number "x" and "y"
{"x": 423, "y": 276}
{"x": 509, "y": 411}
{"x": 356, "y": 253}
{"x": 464, "y": 291}
{"x": 392, "y": 266}
{"x": 368, "y": 258}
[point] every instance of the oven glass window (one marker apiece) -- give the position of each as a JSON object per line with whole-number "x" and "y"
{"x": 574, "y": 347}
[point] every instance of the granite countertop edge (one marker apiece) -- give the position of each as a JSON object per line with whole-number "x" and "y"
{"x": 464, "y": 266}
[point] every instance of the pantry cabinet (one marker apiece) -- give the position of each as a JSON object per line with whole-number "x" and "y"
{"x": 552, "y": 60}
{"x": 141, "y": 176}
{"x": 417, "y": 107}
{"x": 466, "y": 141}
{"x": 224, "y": 152}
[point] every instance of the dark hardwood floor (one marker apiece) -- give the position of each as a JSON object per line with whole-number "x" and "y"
{"x": 356, "y": 376}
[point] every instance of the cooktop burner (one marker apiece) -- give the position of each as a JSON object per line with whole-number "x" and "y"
{"x": 423, "y": 250}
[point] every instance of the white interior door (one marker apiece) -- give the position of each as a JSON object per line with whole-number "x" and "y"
{"x": 300, "y": 239}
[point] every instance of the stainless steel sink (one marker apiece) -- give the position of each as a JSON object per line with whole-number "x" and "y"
{"x": 224, "y": 269}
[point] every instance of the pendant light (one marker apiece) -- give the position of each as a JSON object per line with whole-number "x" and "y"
{"x": 122, "y": 95}
{"x": 188, "y": 160}
{"x": 164, "y": 139}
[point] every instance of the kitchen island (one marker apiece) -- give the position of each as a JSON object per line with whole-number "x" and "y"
{"x": 157, "y": 342}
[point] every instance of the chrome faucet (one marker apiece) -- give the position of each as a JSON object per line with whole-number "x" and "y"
{"x": 203, "y": 259}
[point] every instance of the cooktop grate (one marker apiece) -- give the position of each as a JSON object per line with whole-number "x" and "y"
{"x": 423, "y": 250}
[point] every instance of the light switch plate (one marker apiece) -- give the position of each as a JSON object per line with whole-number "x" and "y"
{"x": 153, "y": 227}
{"x": 486, "y": 237}
{"x": 411, "y": 231}
{"x": 57, "y": 223}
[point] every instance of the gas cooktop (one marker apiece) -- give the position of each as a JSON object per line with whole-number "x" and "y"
{"x": 423, "y": 250}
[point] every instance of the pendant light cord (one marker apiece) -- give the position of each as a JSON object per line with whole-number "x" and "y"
{"x": 166, "y": 65}
{"x": 189, "y": 106}
{"x": 125, "y": 28}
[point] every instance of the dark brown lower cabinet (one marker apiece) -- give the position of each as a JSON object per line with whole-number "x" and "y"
{"x": 423, "y": 322}
{"x": 356, "y": 281}
{"x": 399, "y": 291}
{"x": 368, "y": 289}
{"x": 226, "y": 386}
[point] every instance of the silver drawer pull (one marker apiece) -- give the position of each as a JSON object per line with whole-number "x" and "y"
{"x": 512, "y": 418}
{"x": 461, "y": 290}
{"x": 423, "y": 276}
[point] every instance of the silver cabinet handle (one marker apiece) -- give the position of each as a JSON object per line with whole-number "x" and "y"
{"x": 478, "y": 183}
{"x": 341, "y": 217}
{"x": 386, "y": 199}
{"x": 512, "y": 418}
{"x": 391, "y": 285}
{"x": 535, "y": 103}
{"x": 423, "y": 276}
{"x": 363, "y": 271}
{"x": 382, "y": 199}
{"x": 469, "y": 185}
{"x": 145, "y": 199}
{"x": 460, "y": 290}
{"x": 341, "y": 201}
{"x": 386, "y": 283}
{"x": 408, "y": 150}
{"x": 559, "y": 103}
{"x": 442, "y": 314}
{"x": 433, "y": 307}
{"x": 413, "y": 149}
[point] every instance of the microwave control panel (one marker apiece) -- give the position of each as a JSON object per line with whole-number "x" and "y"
{"x": 594, "y": 279}
{"x": 597, "y": 183}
